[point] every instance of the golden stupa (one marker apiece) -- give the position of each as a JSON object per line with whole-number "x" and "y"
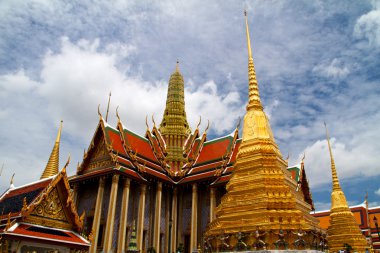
{"x": 343, "y": 230}
{"x": 263, "y": 208}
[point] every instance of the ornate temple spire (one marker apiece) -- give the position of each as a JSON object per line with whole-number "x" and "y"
{"x": 256, "y": 124}
{"x": 52, "y": 166}
{"x": 343, "y": 227}
{"x": 254, "y": 96}
{"x": 174, "y": 127}
{"x": 335, "y": 180}
{"x": 260, "y": 194}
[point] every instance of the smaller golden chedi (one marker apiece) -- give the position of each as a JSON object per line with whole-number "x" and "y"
{"x": 343, "y": 230}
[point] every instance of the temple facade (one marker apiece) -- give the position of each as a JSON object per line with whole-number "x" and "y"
{"x": 167, "y": 183}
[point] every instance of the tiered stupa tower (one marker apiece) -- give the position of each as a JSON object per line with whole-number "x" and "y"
{"x": 174, "y": 127}
{"x": 343, "y": 227}
{"x": 261, "y": 196}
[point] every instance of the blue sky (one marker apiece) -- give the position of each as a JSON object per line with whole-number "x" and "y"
{"x": 315, "y": 61}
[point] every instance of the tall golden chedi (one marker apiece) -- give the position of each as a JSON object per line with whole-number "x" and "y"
{"x": 261, "y": 197}
{"x": 343, "y": 227}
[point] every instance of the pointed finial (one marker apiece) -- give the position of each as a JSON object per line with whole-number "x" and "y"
{"x": 154, "y": 123}
{"x": 67, "y": 164}
{"x": 117, "y": 113}
{"x": 287, "y": 158}
{"x": 238, "y": 124}
{"x": 177, "y": 66}
{"x": 208, "y": 125}
{"x": 12, "y": 179}
{"x": 199, "y": 123}
{"x": 100, "y": 115}
{"x": 336, "y": 185}
{"x": 52, "y": 165}
{"x": 248, "y": 38}
{"x": 303, "y": 158}
{"x": 108, "y": 106}
{"x": 253, "y": 88}
{"x": 146, "y": 122}
{"x": 2, "y": 167}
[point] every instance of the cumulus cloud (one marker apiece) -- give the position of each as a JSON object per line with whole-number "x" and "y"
{"x": 368, "y": 26}
{"x": 350, "y": 162}
{"x": 74, "y": 80}
{"x": 377, "y": 192}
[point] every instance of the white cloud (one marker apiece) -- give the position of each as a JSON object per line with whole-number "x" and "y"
{"x": 335, "y": 69}
{"x": 377, "y": 192}
{"x": 368, "y": 26}
{"x": 73, "y": 82}
{"x": 350, "y": 163}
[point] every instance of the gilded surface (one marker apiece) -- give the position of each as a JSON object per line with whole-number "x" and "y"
{"x": 260, "y": 195}
{"x": 51, "y": 207}
{"x": 101, "y": 157}
{"x": 53, "y": 163}
{"x": 343, "y": 227}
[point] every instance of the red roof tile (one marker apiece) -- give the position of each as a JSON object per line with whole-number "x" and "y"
{"x": 214, "y": 150}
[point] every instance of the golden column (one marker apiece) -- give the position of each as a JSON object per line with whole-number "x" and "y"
{"x": 343, "y": 227}
{"x": 123, "y": 216}
{"x": 140, "y": 218}
{"x": 194, "y": 212}
{"x": 212, "y": 204}
{"x": 174, "y": 221}
{"x": 111, "y": 214}
{"x": 157, "y": 218}
{"x": 97, "y": 215}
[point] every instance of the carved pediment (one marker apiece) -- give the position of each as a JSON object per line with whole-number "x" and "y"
{"x": 51, "y": 207}
{"x": 100, "y": 157}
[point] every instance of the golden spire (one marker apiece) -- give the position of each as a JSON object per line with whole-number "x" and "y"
{"x": 336, "y": 185}
{"x": 254, "y": 96}
{"x": 177, "y": 66}
{"x": 53, "y": 163}
{"x": 260, "y": 193}
{"x": 343, "y": 228}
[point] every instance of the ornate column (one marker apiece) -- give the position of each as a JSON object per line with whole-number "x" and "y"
{"x": 111, "y": 214}
{"x": 180, "y": 216}
{"x": 97, "y": 215}
{"x": 157, "y": 218}
{"x": 212, "y": 204}
{"x": 140, "y": 218}
{"x": 194, "y": 211}
{"x": 123, "y": 216}
{"x": 173, "y": 239}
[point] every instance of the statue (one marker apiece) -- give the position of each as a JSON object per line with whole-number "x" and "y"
{"x": 224, "y": 245}
{"x": 240, "y": 244}
{"x": 207, "y": 244}
{"x": 299, "y": 241}
{"x": 259, "y": 242}
{"x": 281, "y": 240}
{"x": 316, "y": 236}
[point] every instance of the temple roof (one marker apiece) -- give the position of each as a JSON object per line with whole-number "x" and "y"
{"x": 142, "y": 157}
{"x": 25, "y": 215}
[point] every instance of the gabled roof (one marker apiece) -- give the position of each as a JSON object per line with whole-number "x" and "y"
{"x": 142, "y": 157}
{"x": 45, "y": 205}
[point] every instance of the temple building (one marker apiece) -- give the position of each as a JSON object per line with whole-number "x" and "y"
{"x": 343, "y": 230}
{"x": 41, "y": 216}
{"x": 169, "y": 181}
